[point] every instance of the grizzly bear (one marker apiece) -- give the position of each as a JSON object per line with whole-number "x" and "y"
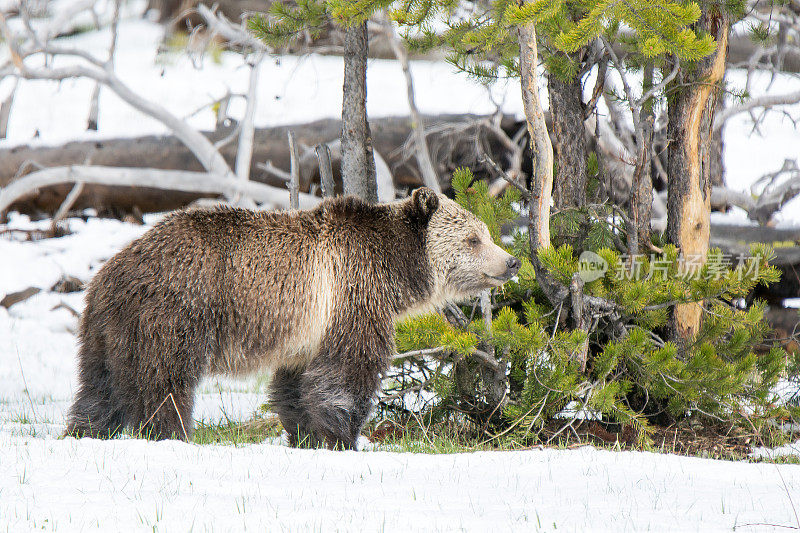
{"x": 311, "y": 295}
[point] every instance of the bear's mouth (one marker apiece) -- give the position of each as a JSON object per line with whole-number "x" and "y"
{"x": 501, "y": 279}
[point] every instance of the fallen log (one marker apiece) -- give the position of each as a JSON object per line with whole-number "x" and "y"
{"x": 270, "y": 145}
{"x": 734, "y": 241}
{"x": 785, "y": 323}
{"x": 19, "y": 296}
{"x": 198, "y": 182}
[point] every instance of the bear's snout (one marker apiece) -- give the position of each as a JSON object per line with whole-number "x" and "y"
{"x": 503, "y": 267}
{"x": 512, "y": 267}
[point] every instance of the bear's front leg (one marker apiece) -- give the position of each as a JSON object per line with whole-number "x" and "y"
{"x": 336, "y": 401}
{"x": 285, "y": 398}
{"x": 339, "y": 385}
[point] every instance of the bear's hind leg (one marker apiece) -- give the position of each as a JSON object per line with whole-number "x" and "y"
{"x": 161, "y": 395}
{"x": 97, "y": 411}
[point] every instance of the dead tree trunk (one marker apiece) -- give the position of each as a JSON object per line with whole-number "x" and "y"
{"x": 541, "y": 188}
{"x": 269, "y": 145}
{"x": 718, "y": 147}
{"x": 569, "y": 186}
{"x": 642, "y": 186}
{"x": 541, "y": 191}
{"x": 358, "y": 163}
{"x": 691, "y": 114}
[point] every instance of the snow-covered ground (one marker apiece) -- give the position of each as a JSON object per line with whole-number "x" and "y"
{"x": 127, "y": 484}
{"x": 68, "y": 485}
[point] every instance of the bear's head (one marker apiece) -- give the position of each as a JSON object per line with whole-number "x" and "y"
{"x": 464, "y": 258}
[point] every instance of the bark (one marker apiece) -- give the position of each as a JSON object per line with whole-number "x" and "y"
{"x": 569, "y": 141}
{"x": 691, "y": 117}
{"x": 541, "y": 188}
{"x": 542, "y": 149}
{"x": 358, "y": 164}
{"x": 642, "y": 183}
{"x": 718, "y": 146}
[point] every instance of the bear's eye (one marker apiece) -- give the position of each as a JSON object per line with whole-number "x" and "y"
{"x": 473, "y": 241}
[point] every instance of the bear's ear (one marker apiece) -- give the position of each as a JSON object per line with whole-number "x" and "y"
{"x": 425, "y": 202}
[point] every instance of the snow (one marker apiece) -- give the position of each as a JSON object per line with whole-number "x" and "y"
{"x": 71, "y": 485}
{"x": 51, "y": 483}
{"x": 792, "y": 448}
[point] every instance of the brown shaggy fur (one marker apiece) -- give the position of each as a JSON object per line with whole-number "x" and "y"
{"x": 312, "y": 295}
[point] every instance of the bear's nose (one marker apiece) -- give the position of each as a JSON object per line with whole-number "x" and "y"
{"x": 513, "y": 264}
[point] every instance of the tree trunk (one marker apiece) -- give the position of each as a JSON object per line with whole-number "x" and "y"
{"x": 569, "y": 140}
{"x": 358, "y": 164}
{"x": 718, "y": 148}
{"x": 542, "y": 175}
{"x": 691, "y": 114}
{"x": 541, "y": 188}
{"x": 641, "y": 197}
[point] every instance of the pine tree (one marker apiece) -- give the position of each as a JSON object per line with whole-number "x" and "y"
{"x": 691, "y": 107}
{"x": 632, "y": 377}
{"x": 611, "y": 360}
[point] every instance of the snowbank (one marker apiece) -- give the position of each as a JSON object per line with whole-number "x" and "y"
{"x": 68, "y": 485}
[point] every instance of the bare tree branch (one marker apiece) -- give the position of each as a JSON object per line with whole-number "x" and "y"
{"x": 765, "y": 102}
{"x": 177, "y": 180}
{"x": 384, "y": 178}
{"x": 429, "y": 176}
{"x": 294, "y": 168}
{"x": 325, "y": 170}
{"x": 94, "y": 106}
{"x": 244, "y": 152}
{"x": 5, "y": 109}
{"x": 68, "y": 202}
{"x": 235, "y": 34}
{"x": 761, "y": 208}
{"x": 523, "y": 191}
{"x": 202, "y": 148}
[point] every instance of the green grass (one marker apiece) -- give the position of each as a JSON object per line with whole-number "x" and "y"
{"x": 451, "y": 438}
{"x": 778, "y": 459}
{"x": 252, "y": 431}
